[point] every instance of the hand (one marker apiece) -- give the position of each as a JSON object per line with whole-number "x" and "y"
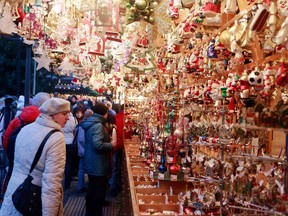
{"x": 114, "y": 144}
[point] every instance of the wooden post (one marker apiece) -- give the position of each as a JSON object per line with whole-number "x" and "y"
{"x": 242, "y": 4}
{"x": 257, "y": 51}
{"x": 286, "y": 168}
{"x": 28, "y": 73}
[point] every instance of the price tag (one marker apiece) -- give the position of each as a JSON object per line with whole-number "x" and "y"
{"x": 151, "y": 174}
{"x": 158, "y": 158}
{"x": 169, "y": 159}
{"x": 188, "y": 159}
{"x": 173, "y": 177}
{"x": 161, "y": 176}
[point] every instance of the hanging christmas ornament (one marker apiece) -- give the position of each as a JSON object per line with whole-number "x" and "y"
{"x": 162, "y": 19}
{"x": 114, "y": 81}
{"x": 140, "y": 4}
{"x": 141, "y": 59}
{"x": 162, "y": 167}
{"x": 7, "y": 26}
{"x": 43, "y": 62}
{"x": 174, "y": 168}
{"x": 66, "y": 66}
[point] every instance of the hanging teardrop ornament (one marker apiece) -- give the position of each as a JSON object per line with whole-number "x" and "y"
{"x": 162, "y": 167}
{"x": 174, "y": 168}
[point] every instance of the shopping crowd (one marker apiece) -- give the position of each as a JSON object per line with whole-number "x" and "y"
{"x": 86, "y": 146}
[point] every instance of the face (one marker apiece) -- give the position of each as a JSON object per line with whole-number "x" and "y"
{"x": 79, "y": 114}
{"x": 61, "y": 118}
{"x": 282, "y": 7}
{"x": 106, "y": 115}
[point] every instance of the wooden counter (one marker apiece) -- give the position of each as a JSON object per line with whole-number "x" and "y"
{"x": 148, "y": 194}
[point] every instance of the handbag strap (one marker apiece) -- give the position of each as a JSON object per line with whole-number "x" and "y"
{"x": 40, "y": 149}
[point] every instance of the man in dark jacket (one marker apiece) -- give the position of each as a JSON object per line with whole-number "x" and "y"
{"x": 97, "y": 161}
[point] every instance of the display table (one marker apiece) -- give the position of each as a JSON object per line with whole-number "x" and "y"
{"x": 150, "y": 196}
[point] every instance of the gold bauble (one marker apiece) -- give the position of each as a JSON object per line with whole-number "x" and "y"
{"x": 225, "y": 38}
{"x": 151, "y": 19}
{"x": 146, "y": 12}
{"x": 133, "y": 9}
{"x": 154, "y": 4}
{"x": 140, "y": 4}
{"x": 51, "y": 55}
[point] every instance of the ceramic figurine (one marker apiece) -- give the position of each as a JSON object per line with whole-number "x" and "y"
{"x": 231, "y": 6}
{"x": 244, "y": 85}
{"x": 272, "y": 20}
{"x": 211, "y": 52}
{"x": 281, "y": 76}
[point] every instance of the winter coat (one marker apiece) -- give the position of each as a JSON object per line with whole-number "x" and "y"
{"x": 120, "y": 127}
{"x": 68, "y": 130}
{"x": 80, "y": 132}
{"x": 98, "y": 147}
{"x": 49, "y": 170}
{"x": 28, "y": 115}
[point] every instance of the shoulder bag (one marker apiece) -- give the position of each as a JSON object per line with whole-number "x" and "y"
{"x": 27, "y": 197}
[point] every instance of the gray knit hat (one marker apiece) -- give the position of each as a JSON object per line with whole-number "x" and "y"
{"x": 40, "y": 98}
{"x": 54, "y": 106}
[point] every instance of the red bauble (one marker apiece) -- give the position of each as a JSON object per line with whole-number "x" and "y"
{"x": 174, "y": 169}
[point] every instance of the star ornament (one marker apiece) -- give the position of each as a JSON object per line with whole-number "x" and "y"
{"x": 66, "y": 65}
{"x": 43, "y": 62}
{"x": 115, "y": 81}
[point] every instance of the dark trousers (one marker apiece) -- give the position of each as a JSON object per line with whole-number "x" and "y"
{"x": 95, "y": 197}
{"x": 71, "y": 164}
{"x": 115, "y": 180}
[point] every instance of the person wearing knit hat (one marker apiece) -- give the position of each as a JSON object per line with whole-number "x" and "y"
{"x": 100, "y": 109}
{"x": 49, "y": 170}
{"x": 40, "y": 98}
{"x": 97, "y": 158}
{"x": 28, "y": 114}
{"x": 54, "y": 106}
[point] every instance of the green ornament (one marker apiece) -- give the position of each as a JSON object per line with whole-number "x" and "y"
{"x": 224, "y": 91}
{"x": 130, "y": 18}
{"x": 128, "y": 5}
{"x": 167, "y": 128}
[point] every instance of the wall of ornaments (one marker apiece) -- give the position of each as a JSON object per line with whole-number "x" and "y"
{"x": 221, "y": 107}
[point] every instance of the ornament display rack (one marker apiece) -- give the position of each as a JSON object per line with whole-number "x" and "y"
{"x": 226, "y": 160}
{"x": 221, "y": 158}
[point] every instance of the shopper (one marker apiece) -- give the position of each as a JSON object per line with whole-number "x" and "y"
{"x": 78, "y": 113}
{"x": 80, "y": 136}
{"x": 48, "y": 172}
{"x": 27, "y": 116}
{"x": 72, "y": 159}
{"x": 115, "y": 180}
{"x": 97, "y": 164}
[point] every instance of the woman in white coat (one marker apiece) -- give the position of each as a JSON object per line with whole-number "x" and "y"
{"x": 49, "y": 170}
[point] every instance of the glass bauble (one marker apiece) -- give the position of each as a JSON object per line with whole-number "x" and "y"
{"x": 140, "y": 4}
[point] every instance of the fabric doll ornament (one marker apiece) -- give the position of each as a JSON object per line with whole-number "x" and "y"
{"x": 281, "y": 77}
